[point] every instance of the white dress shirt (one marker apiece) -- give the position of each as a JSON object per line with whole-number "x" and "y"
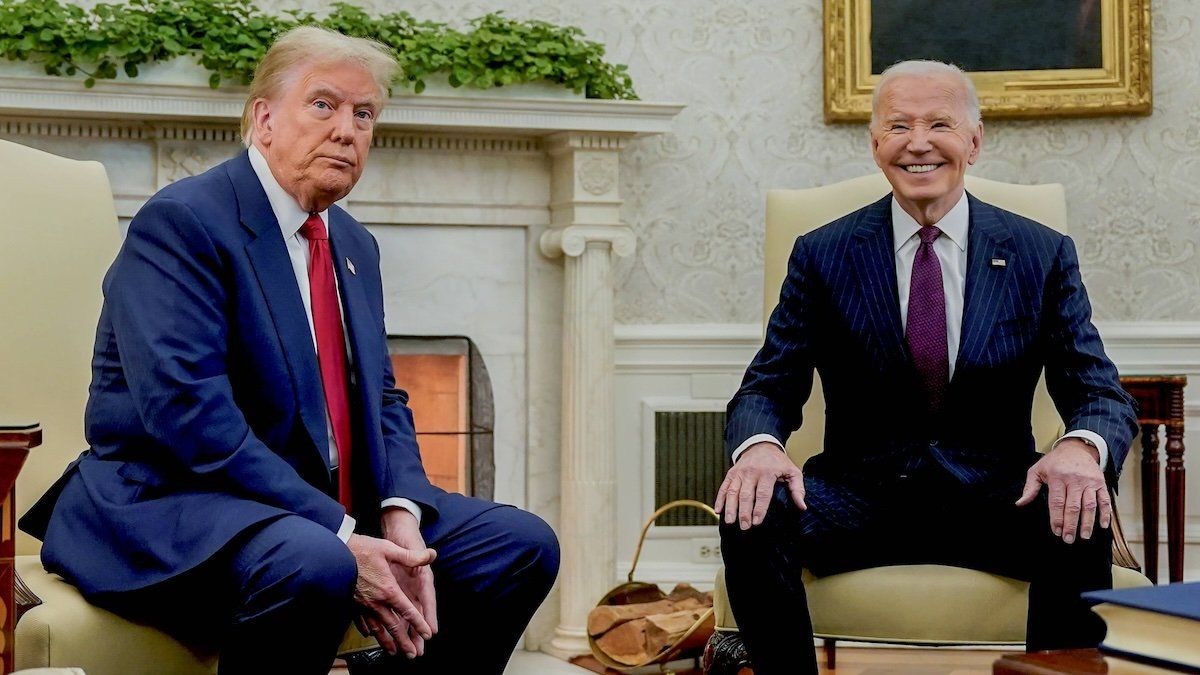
{"x": 291, "y": 217}
{"x": 951, "y": 250}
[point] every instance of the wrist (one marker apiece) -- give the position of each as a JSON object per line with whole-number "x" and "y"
{"x": 761, "y": 448}
{"x": 1083, "y": 443}
{"x": 396, "y": 521}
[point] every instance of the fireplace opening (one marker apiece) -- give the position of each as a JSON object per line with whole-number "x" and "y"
{"x": 450, "y": 395}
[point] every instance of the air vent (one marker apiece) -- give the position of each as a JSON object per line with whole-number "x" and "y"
{"x": 689, "y": 462}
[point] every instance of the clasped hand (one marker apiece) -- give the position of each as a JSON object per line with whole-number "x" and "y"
{"x": 1075, "y": 487}
{"x": 745, "y": 494}
{"x": 395, "y": 587}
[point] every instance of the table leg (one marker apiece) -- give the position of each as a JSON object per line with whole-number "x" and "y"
{"x": 1175, "y": 487}
{"x": 1150, "y": 499}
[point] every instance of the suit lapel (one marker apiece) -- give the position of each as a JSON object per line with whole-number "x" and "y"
{"x": 987, "y": 240}
{"x": 875, "y": 266}
{"x": 356, "y": 311}
{"x": 273, "y": 267}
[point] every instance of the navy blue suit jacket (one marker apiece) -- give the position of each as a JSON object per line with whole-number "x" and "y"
{"x": 205, "y": 413}
{"x": 839, "y": 314}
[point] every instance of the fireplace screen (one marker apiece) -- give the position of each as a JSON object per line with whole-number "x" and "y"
{"x": 451, "y": 399}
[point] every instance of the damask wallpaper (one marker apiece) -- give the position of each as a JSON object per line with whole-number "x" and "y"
{"x": 750, "y": 74}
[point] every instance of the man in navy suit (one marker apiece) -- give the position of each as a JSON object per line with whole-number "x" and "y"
{"x": 253, "y": 480}
{"x": 930, "y": 316}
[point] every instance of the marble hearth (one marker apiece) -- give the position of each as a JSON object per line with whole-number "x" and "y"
{"x": 497, "y": 219}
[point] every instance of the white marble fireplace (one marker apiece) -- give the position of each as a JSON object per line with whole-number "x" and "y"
{"x": 497, "y": 219}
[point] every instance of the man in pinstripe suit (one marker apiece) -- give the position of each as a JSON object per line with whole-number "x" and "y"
{"x": 930, "y": 316}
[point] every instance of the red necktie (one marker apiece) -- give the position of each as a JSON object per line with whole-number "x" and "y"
{"x": 926, "y": 329}
{"x": 331, "y": 345}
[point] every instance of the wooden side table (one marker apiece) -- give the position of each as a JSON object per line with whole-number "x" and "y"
{"x": 1160, "y": 401}
{"x": 15, "y": 442}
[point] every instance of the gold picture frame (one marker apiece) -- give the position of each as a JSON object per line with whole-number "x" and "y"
{"x": 1121, "y": 85}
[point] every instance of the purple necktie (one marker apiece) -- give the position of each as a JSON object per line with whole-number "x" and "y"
{"x": 926, "y": 329}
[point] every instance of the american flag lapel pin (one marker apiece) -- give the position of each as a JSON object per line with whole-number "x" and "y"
{"x": 996, "y": 262}
{"x": 350, "y": 266}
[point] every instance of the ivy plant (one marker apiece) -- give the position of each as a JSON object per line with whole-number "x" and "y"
{"x": 229, "y": 37}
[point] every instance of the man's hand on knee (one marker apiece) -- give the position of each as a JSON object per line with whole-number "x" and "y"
{"x": 747, "y": 490}
{"x": 1075, "y": 486}
{"x": 388, "y": 613}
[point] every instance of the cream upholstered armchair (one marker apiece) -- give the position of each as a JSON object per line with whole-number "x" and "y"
{"x": 908, "y": 604}
{"x": 58, "y": 236}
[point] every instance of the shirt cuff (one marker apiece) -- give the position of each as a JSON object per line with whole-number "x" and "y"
{"x": 346, "y": 529}
{"x": 406, "y": 504}
{"x": 1095, "y": 438}
{"x": 756, "y": 438}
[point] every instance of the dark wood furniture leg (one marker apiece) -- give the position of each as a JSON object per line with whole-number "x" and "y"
{"x": 1160, "y": 401}
{"x": 1150, "y": 499}
{"x": 1175, "y": 485}
{"x": 15, "y": 442}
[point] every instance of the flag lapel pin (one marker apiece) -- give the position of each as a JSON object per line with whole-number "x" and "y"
{"x": 350, "y": 266}
{"x": 999, "y": 262}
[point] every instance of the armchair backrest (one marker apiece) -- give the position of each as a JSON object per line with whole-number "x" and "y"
{"x": 791, "y": 213}
{"x": 58, "y": 235}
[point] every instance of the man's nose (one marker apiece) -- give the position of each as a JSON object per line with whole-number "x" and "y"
{"x": 343, "y": 126}
{"x": 918, "y": 140}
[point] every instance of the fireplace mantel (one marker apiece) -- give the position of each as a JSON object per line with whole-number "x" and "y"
{"x": 531, "y": 110}
{"x": 498, "y": 217}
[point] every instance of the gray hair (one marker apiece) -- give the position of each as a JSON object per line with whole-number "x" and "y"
{"x": 925, "y": 69}
{"x": 318, "y": 46}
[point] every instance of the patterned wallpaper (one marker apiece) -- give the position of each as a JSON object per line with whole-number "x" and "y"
{"x": 750, "y": 74}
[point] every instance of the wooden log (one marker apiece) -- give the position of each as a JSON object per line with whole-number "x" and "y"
{"x": 682, "y": 591}
{"x": 664, "y": 630}
{"x": 606, "y": 617}
{"x": 626, "y": 643}
{"x": 637, "y": 640}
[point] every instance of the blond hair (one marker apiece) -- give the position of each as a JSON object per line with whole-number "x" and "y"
{"x": 927, "y": 69}
{"x": 315, "y": 45}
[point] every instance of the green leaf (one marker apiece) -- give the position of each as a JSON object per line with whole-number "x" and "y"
{"x": 229, "y": 38}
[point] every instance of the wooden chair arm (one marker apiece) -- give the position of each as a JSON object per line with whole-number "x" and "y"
{"x": 1122, "y": 555}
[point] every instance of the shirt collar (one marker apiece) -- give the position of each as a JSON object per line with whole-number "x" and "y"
{"x": 953, "y": 224}
{"x": 287, "y": 210}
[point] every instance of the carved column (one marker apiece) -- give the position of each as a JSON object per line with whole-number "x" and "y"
{"x": 586, "y": 231}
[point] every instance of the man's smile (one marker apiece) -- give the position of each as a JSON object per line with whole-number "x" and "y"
{"x": 920, "y": 168}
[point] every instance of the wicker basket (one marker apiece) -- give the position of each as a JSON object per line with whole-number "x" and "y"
{"x": 691, "y": 644}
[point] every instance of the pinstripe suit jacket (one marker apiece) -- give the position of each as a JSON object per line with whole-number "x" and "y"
{"x": 838, "y": 312}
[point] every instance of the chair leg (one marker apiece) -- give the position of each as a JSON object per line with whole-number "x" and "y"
{"x": 725, "y": 654}
{"x": 830, "y": 647}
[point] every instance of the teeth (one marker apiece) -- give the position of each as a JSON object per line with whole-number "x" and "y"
{"x": 920, "y": 168}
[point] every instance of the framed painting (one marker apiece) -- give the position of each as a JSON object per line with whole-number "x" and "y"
{"x": 1028, "y": 58}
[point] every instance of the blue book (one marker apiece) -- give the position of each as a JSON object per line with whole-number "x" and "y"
{"x": 1153, "y": 624}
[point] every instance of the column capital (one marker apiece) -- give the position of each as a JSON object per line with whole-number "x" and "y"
{"x": 572, "y": 240}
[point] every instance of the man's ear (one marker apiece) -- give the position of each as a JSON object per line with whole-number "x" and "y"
{"x": 260, "y": 111}
{"x": 976, "y": 144}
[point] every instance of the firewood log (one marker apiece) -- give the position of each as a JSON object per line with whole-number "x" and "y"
{"x": 606, "y": 617}
{"x": 637, "y": 640}
{"x": 682, "y": 591}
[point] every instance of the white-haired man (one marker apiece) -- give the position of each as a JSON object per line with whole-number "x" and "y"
{"x": 930, "y": 316}
{"x": 253, "y": 480}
